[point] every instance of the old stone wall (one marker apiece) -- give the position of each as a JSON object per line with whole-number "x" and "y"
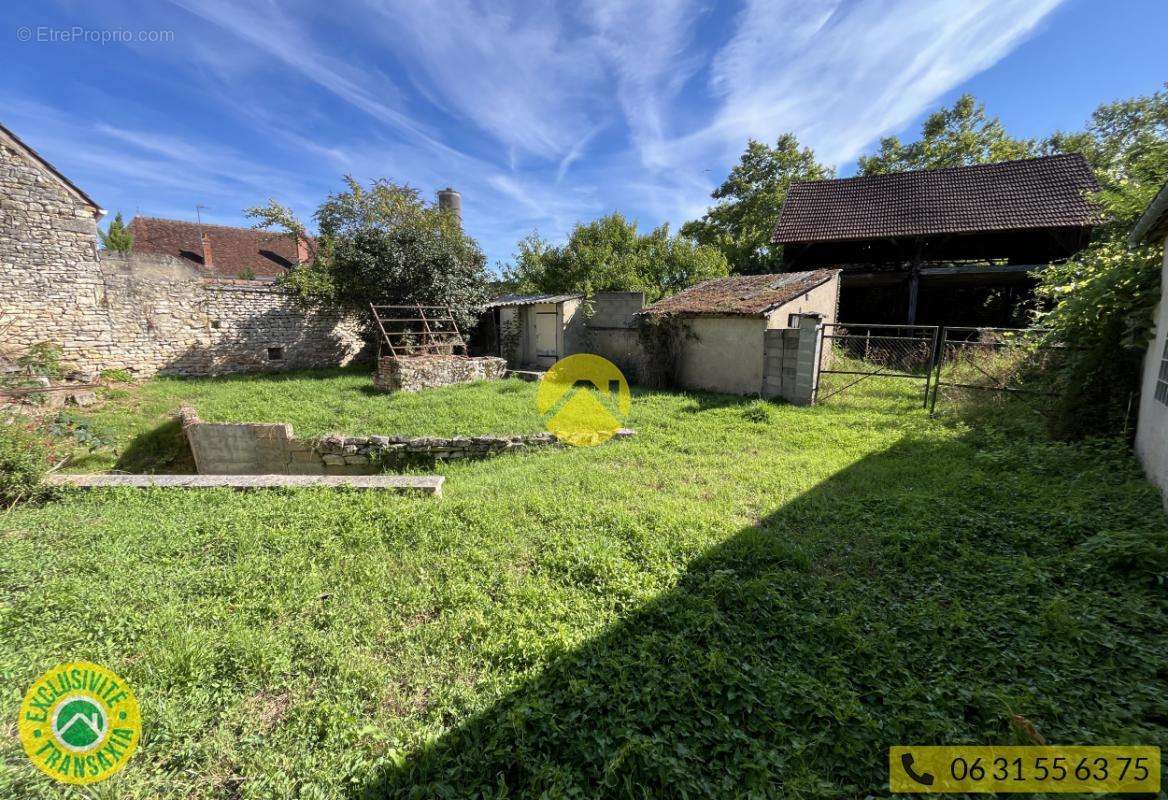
{"x": 412, "y": 373}
{"x": 148, "y": 315}
{"x": 261, "y": 448}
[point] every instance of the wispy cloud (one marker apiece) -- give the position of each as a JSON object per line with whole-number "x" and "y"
{"x": 542, "y": 114}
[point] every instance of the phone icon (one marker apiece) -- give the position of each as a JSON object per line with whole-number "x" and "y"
{"x": 906, "y": 761}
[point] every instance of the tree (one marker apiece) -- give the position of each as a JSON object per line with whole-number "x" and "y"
{"x": 118, "y": 238}
{"x": 950, "y": 137}
{"x": 608, "y": 254}
{"x": 384, "y": 244}
{"x": 741, "y": 223}
{"x": 1103, "y": 300}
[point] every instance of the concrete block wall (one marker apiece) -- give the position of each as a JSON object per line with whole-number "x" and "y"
{"x": 791, "y": 361}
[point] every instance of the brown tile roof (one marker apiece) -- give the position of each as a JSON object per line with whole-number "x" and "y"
{"x": 1047, "y": 192}
{"x": 234, "y": 251}
{"x": 741, "y": 295}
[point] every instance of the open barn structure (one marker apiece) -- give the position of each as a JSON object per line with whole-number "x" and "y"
{"x": 956, "y": 246}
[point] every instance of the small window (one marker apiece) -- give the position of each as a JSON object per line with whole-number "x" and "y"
{"x": 275, "y": 354}
{"x": 1162, "y": 379}
{"x": 215, "y": 324}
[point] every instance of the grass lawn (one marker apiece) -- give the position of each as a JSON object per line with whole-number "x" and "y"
{"x": 743, "y": 600}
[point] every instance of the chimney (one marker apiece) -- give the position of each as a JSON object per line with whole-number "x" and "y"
{"x": 450, "y": 200}
{"x": 301, "y": 250}
{"x": 208, "y": 256}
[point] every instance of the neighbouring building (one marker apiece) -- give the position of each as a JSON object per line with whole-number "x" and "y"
{"x": 1152, "y": 428}
{"x": 220, "y": 250}
{"x": 728, "y": 319}
{"x": 955, "y": 246}
{"x": 145, "y": 312}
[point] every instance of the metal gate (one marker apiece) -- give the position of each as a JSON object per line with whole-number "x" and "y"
{"x": 995, "y": 364}
{"x": 899, "y": 357}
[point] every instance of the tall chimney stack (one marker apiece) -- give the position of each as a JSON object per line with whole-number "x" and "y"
{"x": 450, "y": 200}
{"x": 208, "y": 256}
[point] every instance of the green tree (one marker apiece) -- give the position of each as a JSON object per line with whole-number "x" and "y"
{"x": 608, "y": 254}
{"x": 1102, "y": 301}
{"x": 740, "y": 224}
{"x": 950, "y": 137}
{"x": 384, "y": 244}
{"x": 118, "y": 237}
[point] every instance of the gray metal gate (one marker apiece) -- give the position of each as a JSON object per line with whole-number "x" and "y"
{"x": 850, "y": 354}
{"x": 995, "y": 363}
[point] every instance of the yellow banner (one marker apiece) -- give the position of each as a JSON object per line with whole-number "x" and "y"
{"x": 1006, "y": 768}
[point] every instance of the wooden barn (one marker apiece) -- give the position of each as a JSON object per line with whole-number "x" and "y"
{"x": 955, "y": 246}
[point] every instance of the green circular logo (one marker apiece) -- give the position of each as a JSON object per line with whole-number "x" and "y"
{"x": 79, "y": 723}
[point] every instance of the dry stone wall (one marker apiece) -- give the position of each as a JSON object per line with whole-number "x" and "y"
{"x": 259, "y": 448}
{"x": 412, "y": 373}
{"x": 143, "y": 314}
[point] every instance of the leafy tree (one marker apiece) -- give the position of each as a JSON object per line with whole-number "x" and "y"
{"x": 1103, "y": 300}
{"x": 384, "y": 244}
{"x": 118, "y": 238}
{"x": 950, "y": 137}
{"x": 608, "y": 254}
{"x": 741, "y": 223}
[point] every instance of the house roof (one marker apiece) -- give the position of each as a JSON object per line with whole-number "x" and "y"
{"x": 529, "y": 299}
{"x": 69, "y": 185}
{"x": 1153, "y": 223}
{"x": 741, "y": 295}
{"x": 1049, "y": 192}
{"x": 234, "y": 251}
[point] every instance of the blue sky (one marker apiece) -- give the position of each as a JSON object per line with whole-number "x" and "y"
{"x": 540, "y": 114}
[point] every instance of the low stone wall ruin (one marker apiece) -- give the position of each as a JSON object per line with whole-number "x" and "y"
{"x": 412, "y": 373}
{"x": 261, "y": 448}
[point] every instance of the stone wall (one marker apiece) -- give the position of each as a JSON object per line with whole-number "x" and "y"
{"x": 411, "y": 373}
{"x": 148, "y": 315}
{"x": 261, "y": 448}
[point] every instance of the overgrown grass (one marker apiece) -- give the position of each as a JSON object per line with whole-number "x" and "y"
{"x": 741, "y": 600}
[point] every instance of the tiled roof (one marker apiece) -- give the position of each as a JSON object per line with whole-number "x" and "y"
{"x": 234, "y": 251}
{"x": 741, "y": 295}
{"x": 529, "y": 299}
{"x": 1048, "y": 192}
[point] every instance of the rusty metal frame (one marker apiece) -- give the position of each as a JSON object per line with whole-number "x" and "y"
{"x": 412, "y": 330}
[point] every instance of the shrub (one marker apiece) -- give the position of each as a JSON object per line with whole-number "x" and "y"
{"x": 24, "y": 460}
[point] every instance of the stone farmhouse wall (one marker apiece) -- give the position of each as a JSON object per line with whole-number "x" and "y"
{"x": 147, "y": 314}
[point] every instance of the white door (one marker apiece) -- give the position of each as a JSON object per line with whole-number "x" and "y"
{"x": 546, "y": 338}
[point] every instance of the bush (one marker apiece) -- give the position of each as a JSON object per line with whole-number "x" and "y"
{"x": 24, "y": 460}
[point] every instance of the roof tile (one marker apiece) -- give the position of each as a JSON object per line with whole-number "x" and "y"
{"x": 234, "y": 251}
{"x": 741, "y": 295}
{"x": 1049, "y": 192}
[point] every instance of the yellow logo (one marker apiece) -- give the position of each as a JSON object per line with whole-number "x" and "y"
{"x": 584, "y": 398}
{"x": 79, "y": 723}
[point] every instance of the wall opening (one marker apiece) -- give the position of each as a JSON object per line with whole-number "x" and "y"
{"x": 275, "y": 354}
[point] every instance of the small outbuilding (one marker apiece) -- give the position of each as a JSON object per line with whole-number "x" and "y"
{"x": 531, "y": 331}
{"x": 1152, "y": 428}
{"x": 727, "y": 319}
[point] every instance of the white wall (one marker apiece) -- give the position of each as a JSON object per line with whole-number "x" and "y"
{"x": 1152, "y": 428}
{"x": 822, "y": 300}
{"x": 727, "y": 355}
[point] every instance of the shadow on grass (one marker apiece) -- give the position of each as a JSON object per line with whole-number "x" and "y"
{"x": 163, "y": 450}
{"x": 925, "y": 594}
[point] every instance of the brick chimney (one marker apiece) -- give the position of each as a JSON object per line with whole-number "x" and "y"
{"x": 208, "y": 256}
{"x": 302, "y": 256}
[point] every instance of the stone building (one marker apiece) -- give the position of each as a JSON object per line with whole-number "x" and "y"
{"x": 143, "y": 313}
